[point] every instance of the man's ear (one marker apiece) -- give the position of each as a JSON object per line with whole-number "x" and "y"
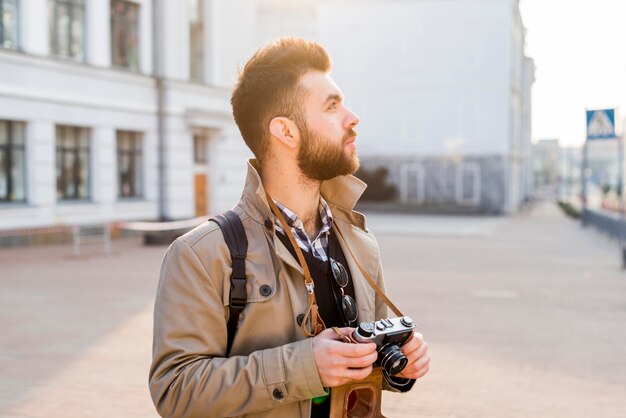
{"x": 285, "y": 130}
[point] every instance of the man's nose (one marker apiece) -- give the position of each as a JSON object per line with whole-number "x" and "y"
{"x": 352, "y": 119}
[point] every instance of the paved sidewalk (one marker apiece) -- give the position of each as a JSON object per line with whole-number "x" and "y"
{"x": 528, "y": 321}
{"x": 525, "y": 316}
{"x": 76, "y": 332}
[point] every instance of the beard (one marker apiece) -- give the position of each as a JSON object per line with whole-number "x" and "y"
{"x": 320, "y": 158}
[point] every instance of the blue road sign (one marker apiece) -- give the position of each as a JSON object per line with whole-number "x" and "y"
{"x": 601, "y": 124}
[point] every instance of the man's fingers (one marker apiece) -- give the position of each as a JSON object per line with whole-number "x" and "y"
{"x": 329, "y": 334}
{"x": 357, "y": 374}
{"x": 418, "y": 358}
{"x": 342, "y": 376}
{"x": 359, "y": 362}
{"x": 418, "y": 363}
{"x": 356, "y": 350}
{"x": 347, "y": 331}
{"x": 416, "y": 369}
{"x": 417, "y": 353}
{"x": 421, "y": 372}
{"x": 337, "y": 360}
{"x": 414, "y": 374}
{"x": 416, "y": 350}
{"x": 416, "y": 341}
{"x": 346, "y": 349}
{"x": 420, "y": 368}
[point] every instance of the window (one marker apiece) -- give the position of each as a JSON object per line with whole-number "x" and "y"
{"x": 196, "y": 43}
{"x": 129, "y": 164}
{"x": 200, "y": 149}
{"x": 12, "y": 166}
{"x": 413, "y": 182}
{"x": 72, "y": 163}
{"x": 67, "y": 28}
{"x": 8, "y": 24}
{"x": 468, "y": 184}
{"x": 124, "y": 34}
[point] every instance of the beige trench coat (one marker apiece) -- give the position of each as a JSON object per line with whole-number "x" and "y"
{"x": 189, "y": 376}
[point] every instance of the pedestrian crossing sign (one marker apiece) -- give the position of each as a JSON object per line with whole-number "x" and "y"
{"x": 601, "y": 124}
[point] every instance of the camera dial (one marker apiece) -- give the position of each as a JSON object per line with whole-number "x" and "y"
{"x": 406, "y": 321}
{"x": 365, "y": 329}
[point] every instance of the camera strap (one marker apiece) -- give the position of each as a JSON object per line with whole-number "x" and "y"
{"x": 312, "y": 315}
{"x": 372, "y": 283}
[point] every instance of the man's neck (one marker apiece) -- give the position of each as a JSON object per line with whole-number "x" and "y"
{"x": 294, "y": 191}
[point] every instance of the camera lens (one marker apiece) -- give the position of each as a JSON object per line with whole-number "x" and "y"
{"x": 392, "y": 360}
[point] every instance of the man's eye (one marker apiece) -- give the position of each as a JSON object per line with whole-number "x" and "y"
{"x": 333, "y": 105}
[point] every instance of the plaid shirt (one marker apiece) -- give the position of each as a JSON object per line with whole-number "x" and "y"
{"x": 319, "y": 246}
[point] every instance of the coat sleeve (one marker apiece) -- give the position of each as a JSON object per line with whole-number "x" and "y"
{"x": 390, "y": 383}
{"x": 189, "y": 375}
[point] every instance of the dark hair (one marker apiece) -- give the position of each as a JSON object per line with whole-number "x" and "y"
{"x": 268, "y": 87}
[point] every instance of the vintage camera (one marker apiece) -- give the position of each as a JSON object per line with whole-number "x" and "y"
{"x": 389, "y": 335}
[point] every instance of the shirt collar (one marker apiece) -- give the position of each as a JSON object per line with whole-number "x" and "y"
{"x": 294, "y": 222}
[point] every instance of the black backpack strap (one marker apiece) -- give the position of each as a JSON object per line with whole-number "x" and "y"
{"x": 235, "y": 237}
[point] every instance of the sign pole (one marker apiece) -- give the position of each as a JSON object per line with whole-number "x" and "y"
{"x": 601, "y": 125}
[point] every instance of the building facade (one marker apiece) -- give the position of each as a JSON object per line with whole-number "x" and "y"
{"x": 443, "y": 91}
{"x": 114, "y": 110}
{"x": 119, "y": 110}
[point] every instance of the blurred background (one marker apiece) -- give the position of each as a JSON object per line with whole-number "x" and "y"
{"x": 490, "y": 138}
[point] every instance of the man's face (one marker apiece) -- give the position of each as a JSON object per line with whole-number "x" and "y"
{"x": 327, "y": 136}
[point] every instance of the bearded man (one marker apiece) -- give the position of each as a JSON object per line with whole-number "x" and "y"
{"x": 299, "y": 190}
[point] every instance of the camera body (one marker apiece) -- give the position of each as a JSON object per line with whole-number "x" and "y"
{"x": 389, "y": 335}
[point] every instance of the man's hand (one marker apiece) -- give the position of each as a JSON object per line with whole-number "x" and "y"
{"x": 339, "y": 363}
{"x": 416, "y": 351}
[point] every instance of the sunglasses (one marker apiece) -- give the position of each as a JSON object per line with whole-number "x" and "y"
{"x": 349, "y": 310}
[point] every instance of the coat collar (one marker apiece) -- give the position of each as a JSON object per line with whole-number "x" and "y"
{"x": 340, "y": 192}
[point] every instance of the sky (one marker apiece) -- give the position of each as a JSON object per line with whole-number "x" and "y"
{"x": 579, "y": 48}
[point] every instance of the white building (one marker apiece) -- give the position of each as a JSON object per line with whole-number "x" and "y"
{"x": 443, "y": 91}
{"x": 101, "y": 120}
{"x": 88, "y": 96}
